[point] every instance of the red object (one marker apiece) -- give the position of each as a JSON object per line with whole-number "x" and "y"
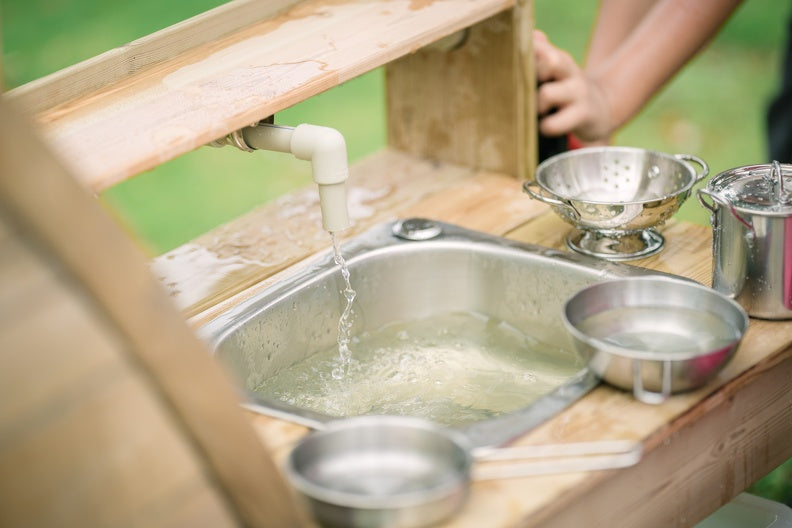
{"x": 573, "y": 142}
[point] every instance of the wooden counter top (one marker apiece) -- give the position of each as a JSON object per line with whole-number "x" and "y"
{"x": 700, "y": 449}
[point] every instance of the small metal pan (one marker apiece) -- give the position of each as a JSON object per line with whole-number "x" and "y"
{"x": 394, "y": 471}
{"x": 654, "y": 336}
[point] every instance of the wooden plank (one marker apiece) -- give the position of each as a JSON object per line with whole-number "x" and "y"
{"x": 214, "y": 88}
{"x": 83, "y": 440}
{"x": 526, "y": 133}
{"x": 131, "y": 59}
{"x": 687, "y": 250}
{"x": 71, "y": 231}
{"x": 700, "y": 461}
{"x": 26, "y": 307}
{"x": 102, "y": 454}
{"x": 472, "y": 105}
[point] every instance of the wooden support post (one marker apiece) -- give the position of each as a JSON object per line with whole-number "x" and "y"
{"x": 472, "y": 105}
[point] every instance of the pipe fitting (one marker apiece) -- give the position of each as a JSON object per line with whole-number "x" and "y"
{"x": 324, "y": 147}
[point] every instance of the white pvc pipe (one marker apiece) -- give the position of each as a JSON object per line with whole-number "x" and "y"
{"x": 269, "y": 137}
{"x": 325, "y": 148}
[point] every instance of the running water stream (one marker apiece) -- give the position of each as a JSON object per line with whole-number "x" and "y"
{"x": 345, "y": 321}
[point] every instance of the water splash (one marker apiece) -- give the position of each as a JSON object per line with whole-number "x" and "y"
{"x": 345, "y": 321}
{"x": 453, "y": 368}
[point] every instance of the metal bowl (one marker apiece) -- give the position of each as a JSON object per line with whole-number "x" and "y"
{"x": 615, "y": 196}
{"x": 654, "y": 335}
{"x": 381, "y": 471}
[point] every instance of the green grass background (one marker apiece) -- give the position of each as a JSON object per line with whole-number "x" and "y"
{"x": 715, "y": 109}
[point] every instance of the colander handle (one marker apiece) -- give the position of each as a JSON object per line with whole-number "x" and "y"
{"x": 527, "y": 187}
{"x": 698, "y": 161}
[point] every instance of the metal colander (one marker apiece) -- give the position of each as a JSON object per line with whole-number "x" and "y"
{"x": 615, "y": 196}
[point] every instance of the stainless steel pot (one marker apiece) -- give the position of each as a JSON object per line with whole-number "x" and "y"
{"x": 752, "y": 237}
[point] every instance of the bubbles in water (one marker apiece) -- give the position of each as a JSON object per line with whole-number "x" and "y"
{"x": 453, "y": 368}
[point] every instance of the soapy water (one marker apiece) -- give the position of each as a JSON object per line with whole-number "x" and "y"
{"x": 453, "y": 368}
{"x": 345, "y": 321}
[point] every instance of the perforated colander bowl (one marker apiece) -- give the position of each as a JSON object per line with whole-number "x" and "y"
{"x": 615, "y": 196}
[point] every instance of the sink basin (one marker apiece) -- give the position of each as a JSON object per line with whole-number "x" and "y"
{"x": 437, "y": 307}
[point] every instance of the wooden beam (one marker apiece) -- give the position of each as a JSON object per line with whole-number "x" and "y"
{"x": 132, "y": 59}
{"x": 194, "y": 94}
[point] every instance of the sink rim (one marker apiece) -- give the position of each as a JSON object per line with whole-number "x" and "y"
{"x": 494, "y": 431}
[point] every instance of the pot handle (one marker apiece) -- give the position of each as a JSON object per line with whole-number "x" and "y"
{"x": 527, "y": 187}
{"x": 647, "y": 396}
{"x": 718, "y": 201}
{"x": 698, "y": 161}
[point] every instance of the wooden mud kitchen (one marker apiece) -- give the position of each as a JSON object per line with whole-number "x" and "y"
{"x": 113, "y": 411}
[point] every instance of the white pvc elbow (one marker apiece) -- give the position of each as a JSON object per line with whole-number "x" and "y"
{"x": 325, "y": 148}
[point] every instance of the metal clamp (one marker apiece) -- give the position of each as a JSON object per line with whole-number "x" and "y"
{"x": 237, "y": 139}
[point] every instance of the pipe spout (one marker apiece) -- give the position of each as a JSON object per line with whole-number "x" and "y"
{"x": 324, "y": 147}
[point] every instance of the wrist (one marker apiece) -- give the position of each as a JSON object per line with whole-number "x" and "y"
{"x": 601, "y": 122}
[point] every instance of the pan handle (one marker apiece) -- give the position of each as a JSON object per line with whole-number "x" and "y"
{"x": 527, "y": 187}
{"x": 555, "y": 458}
{"x": 647, "y": 396}
{"x": 698, "y": 161}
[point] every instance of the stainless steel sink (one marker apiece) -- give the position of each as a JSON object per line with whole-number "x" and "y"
{"x": 416, "y": 270}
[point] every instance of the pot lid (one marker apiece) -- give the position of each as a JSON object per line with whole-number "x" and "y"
{"x": 756, "y": 188}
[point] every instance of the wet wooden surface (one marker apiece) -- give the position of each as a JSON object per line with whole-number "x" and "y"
{"x": 701, "y": 448}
